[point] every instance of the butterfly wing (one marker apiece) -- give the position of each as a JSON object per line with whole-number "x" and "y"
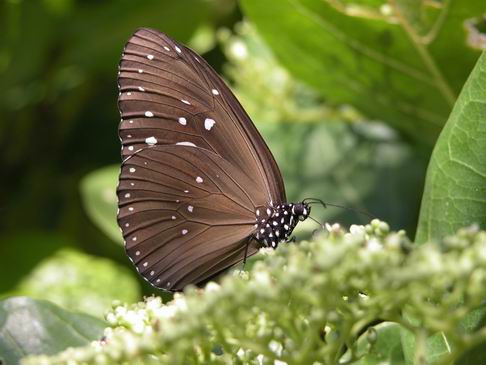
{"x": 184, "y": 214}
{"x": 195, "y": 166}
{"x": 169, "y": 94}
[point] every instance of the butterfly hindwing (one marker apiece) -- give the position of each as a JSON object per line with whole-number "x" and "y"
{"x": 182, "y": 210}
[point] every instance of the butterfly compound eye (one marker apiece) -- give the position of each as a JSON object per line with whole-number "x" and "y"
{"x": 302, "y": 210}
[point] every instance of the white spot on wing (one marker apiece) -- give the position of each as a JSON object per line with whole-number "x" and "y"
{"x": 190, "y": 208}
{"x": 182, "y": 121}
{"x": 127, "y": 225}
{"x": 132, "y": 169}
{"x": 185, "y": 102}
{"x": 130, "y": 209}
{"x": 173, "y": 217}
{"x": 215, "y": 92}
{"x": 166, "y": 48}
{"x": 199, "y": 179}
{"x": 127, "y": 195}
{"x": 137, "y": 253}
{"x": 141, "y": 88}
{"x": 184, "y": 232}
{"x": 178, "y": 49}
{"x": 145, "y": 264}
{"x": 186, "y": 144}
{"x": 130, "y": 148}
{"x": 149, "y": 114}
{"x": 151, "y": 140}
{"x": 140, "y": 71}
{"x": 134, "y": 239}
{"x": 209, "y": 123}
{"x": 150, "y": 57}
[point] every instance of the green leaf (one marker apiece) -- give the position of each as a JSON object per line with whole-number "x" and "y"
{"x": 80, "y": 282}
{"x": 378, "y": 56}
{"x": 29, "y": 326}
{"x": 474, "y": 321}
{"x": 433, "y": 348}
{"x": 381, "y": 344}
{"x": 98, "y": 190}
{"x": 455, "y": 187}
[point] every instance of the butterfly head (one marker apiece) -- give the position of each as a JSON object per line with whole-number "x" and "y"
{"x": 301, "y": 210}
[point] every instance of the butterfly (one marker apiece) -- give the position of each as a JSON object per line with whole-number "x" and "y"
{"x": 199, "y": 190}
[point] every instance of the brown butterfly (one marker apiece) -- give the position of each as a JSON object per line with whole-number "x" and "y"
{"x": 199, "y": 189}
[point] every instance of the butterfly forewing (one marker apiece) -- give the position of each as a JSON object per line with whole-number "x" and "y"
{"x": 171, "y": 94}
{"x": 195, "y": 168}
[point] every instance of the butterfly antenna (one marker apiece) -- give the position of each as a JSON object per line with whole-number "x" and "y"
{"x": 325, "y": 205}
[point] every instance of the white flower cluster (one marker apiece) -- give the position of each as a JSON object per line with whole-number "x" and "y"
{"x": 305, "y": 302}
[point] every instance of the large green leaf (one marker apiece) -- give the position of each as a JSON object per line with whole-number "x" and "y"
{"x": 98, "y": 190}
{"x": 403, "y": 62}
{"x": 29, "y": 326}
{"x": 455, "y": 188}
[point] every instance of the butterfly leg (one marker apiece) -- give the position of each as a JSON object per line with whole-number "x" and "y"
{"x": 246, "y": 254}
{"x": 291, "y": 239}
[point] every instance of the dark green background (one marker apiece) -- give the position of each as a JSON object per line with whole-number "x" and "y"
{"x": 58, "y": 114}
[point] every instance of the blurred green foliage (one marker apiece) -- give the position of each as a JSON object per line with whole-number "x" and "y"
{"x": 98, "y": 190}
{"x": 350, "y": 96}
{"x": 80, "y": 282}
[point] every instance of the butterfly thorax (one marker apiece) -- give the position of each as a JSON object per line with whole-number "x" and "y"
{"x": 274, "y": 224}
